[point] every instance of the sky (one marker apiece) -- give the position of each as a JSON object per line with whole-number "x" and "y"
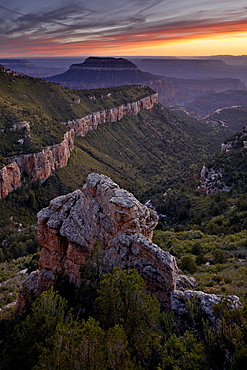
{"x": 48, "y": 28}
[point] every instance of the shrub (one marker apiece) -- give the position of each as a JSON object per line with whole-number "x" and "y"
{"x": 188, "y": 264}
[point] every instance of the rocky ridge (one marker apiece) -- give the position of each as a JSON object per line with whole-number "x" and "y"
{"x": 10, "y": 179}
{"x": 102, "y": 212}
{"x": 41, "y": 165}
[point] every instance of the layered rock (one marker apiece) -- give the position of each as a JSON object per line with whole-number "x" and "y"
{"x": 101, "y": 211}
{"x": 90, "y": 122}
{"x": 10, "y": 179}
{"x": 69, "y": 228}
{"x": 97, "y": 73}
{"x": 41, "y": 165}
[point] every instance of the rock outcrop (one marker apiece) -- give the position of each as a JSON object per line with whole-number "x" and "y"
{"x": 179, "y": 302}
{"x": 41, "y": 165}
{"x": 97, "y": 72}
{"x": 69, "y": 228}
{"x": 10, "y": 179}
{"x": 101, "y": 211}
{"x": 185, "y": 282}
{"x": 90, "y": 122}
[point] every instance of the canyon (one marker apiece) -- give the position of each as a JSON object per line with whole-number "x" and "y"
{"x": 97, "y": 72}
{"x": 42, "y": 164}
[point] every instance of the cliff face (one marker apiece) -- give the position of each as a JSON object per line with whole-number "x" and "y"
{"x": 91, "y": 122}
{"x": 41, "y": 165}
{"x": 10, "y": 179}
{"x": 180, "y": 92}
{"x": 69, "y": 227}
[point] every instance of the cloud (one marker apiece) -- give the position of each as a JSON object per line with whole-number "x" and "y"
{"x": 58, "y": 24}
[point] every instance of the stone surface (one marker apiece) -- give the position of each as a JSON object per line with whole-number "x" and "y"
{"x": 185, "y": 282}
{"x": 101, "y": 211}
{"x": 90, "y": 122}
{"x": 179, "y": 301}
{"x": 10, "y": 179}
{"x": 41, "y": 165}
{"x": 33, "y": 286}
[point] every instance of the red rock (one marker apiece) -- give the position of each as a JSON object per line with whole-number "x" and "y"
{"x": 101, "y": 211}
{"x": 43, "y": 164}
{"x": 10, "y": 179}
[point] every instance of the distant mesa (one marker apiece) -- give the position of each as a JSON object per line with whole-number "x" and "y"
{"x": 105, "y": 64}
{"x": 29, "y": 68}
{"x": 96, "y": 72}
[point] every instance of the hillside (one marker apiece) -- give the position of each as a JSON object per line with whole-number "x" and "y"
{"x": 234, "y": 118}
{"x": 91, "y": 319}
{"x": 143, "y": 153}
{"x": 32, "y": 110}
{"x": 30, "y": 68}
{"x": 219, "y": 66}
{"x": 207, "y": 104}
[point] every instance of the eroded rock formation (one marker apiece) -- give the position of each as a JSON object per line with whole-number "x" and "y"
{"x": 90, "y": 122}
{"x": 69, "y": 227}
{"x": 123, "y": 227}
{"x": 41, "y": 165}
{"x": 10, "y": 179}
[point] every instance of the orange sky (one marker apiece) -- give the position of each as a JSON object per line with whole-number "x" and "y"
{"x": 114, "y": 28}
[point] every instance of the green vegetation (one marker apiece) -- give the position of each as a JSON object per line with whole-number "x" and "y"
{"x": 109, "y": 322}
{"x": 143, "y": 153}
{"x": 209, "y": 103}
{"x": 218, "y": 262}
{"x": 45, "y": 106}
{"x": 127, "y": 332}
{"x": 235, "y": 118}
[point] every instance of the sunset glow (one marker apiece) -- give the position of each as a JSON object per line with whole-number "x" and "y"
{"x": 114, "y": 28}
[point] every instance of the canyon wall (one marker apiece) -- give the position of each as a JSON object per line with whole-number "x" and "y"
{"x": 10, "y": 179}
{"x": 91, "y": 121}
{"x": 41, "y": 165}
